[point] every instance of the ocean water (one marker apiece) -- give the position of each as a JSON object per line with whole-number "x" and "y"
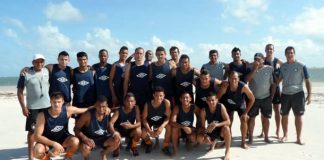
{"x": 317, "y": 75}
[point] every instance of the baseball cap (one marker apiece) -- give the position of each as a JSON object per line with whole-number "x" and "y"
{"x": 259, "y": 55}
{"x": 38, "y": 56}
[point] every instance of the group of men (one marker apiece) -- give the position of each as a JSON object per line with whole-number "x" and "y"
{"x": 137, "y": 99}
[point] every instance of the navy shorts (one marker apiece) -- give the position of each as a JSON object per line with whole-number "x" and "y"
{"x": 264, "y": 105}
{"x": 295, "y": 101}
{"x": 276, "y": 97}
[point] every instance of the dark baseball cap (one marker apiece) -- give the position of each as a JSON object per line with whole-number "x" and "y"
{"x": 259, "y": 55}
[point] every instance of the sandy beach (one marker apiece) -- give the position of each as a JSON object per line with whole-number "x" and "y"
{"x": 13, "y": 137}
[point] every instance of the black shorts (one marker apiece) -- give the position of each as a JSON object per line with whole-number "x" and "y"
{"x": 99, "y": 141}
{"x": 276, "y": 97}
{"x": 61, "y": 138}
{"x": 240, "y": 109}
{"x": 215, "y": 134}
{"x": 264, "y": 105}
{"x": 31, "y": 119}
{"x": 295, "y": 101}
{"x": 124, "y": 132}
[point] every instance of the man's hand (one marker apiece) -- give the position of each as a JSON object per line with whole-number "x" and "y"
{"x": 89, "y": 142}
{"x": 25, "y": 111}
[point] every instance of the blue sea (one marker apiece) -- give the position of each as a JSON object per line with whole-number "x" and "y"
{"x": 317, "y": 75}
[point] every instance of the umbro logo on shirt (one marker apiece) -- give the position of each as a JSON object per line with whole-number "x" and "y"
{"x": 57, "y": 128}
{"x": 156, "y": 118}
{"x": 186, "y": 123}
{"x": 160, "y": 76}
{"x": 62, "y": 79}
{"x": 185, "y": 84}
{"x": 141, "y": 75}
{"x": 100, "y": 132}
{"x": 103, "y": 77}
{"x": 203, "y": 99}
{"x": 83, "y": 83}
{"x": 230, "y": 101}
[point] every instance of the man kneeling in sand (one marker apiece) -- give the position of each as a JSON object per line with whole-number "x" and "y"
{"x": 218, "y": 125}
{"x": 51, "y": 129}
{"x": 94, "y": 129}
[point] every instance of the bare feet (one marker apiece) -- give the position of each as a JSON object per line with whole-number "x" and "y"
{"x": 227, "y": 156}
{"x": 267, "y": 140}
{"x": 261, "y": 135}
{"x": 250, "y": 140}
{"x": 244, "y": 146}
{"x": 277, "y": 134}
{"x": 103, "y": 155}
{"x": 283, "y": 139}
{"x": 219, "y": 145}
{"x": 300, "y": 142}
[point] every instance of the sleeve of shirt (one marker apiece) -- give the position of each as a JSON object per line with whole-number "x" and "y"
{"x": 21, "y": 82}
{"x": 305, "y": 71}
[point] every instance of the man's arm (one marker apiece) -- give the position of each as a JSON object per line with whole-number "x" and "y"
{"x": 80, "y": 123}
{"x": 251, "y": 98}
{"x": 75, "y": 110}
{"x": 174, "y": 115}
{"x": 144, "y": 119}
{"x": 126, "y": 79}
{"x": 111, "y": 86}
{"x": 309, "y": 91}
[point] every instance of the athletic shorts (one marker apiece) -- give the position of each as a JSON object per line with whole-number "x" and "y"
{"x": 295, "y": 101}
{"x": 31, "y": 119}
{"x": 99, "y": 141}
{"x": 240, "y": 109}
{"x": 183, "y": 134}
{"x": 276, "y": 97}
{"x": 215, "y": 134}
{"x": 124, "y": 132}
{"x": 264, "y": 105}
{"x": 62, "y": 138}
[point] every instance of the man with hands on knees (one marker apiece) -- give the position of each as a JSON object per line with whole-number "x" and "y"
{"x": 218, "y": 125}
{"x": 51, "y": 129}
{"x": 95, "y": 130}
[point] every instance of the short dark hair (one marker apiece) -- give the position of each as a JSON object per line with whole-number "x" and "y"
{"x": 174, "y": 48}
{"x": 235, "y": 49}
{"x": 63, "y": 53}
{"x": 123, "y": 48}
{"x": 232, "y": 72}
{"x": 184, "y": 56}
{"x": 138, "y": 48}
{"x": 101, "y": 98}
{"x": 82, "y": 54}
{"x": 57, "y": 95}
{"x": 211, "y": 94}
{"x": 128, "y": 95}
{"x": 158, "y": 89}
{"x": 269, "y": 44}
{"x": 160, "y": 48}
{"x": 102, "y": 51}
{"x": 289, "y": 48}
{"x": 212, "y": 52}
{"x": 204, "y": 72}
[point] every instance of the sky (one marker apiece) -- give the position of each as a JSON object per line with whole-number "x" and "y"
{"x": 48, "y": 27}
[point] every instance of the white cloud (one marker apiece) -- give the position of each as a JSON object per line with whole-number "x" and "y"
{"x": 62, "y": 12}
{"x": 245, "y": 10}
{"x": 50, "y": 38}
{"x": 309, "y": 23}
{"x": 156, "y": 41}
{"x": 229, "y": 29}
{"x": 14, "y": 22}
{"x": 11, "y": 33}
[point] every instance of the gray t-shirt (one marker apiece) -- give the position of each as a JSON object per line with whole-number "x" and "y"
{"x": 293, "y": 76}
{"x": 37, "y": 87}
{"x": 261, "y": 82}
{"x": 215, "y": 70}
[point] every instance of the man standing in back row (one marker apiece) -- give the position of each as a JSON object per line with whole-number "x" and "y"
{"x": 37, "y": 86}
{"x": 292, "y": 75}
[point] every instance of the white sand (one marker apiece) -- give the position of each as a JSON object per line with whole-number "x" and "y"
{"x": 13, "y": 137}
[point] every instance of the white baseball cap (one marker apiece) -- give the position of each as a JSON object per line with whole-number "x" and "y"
{"x": 38, "y": 56}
